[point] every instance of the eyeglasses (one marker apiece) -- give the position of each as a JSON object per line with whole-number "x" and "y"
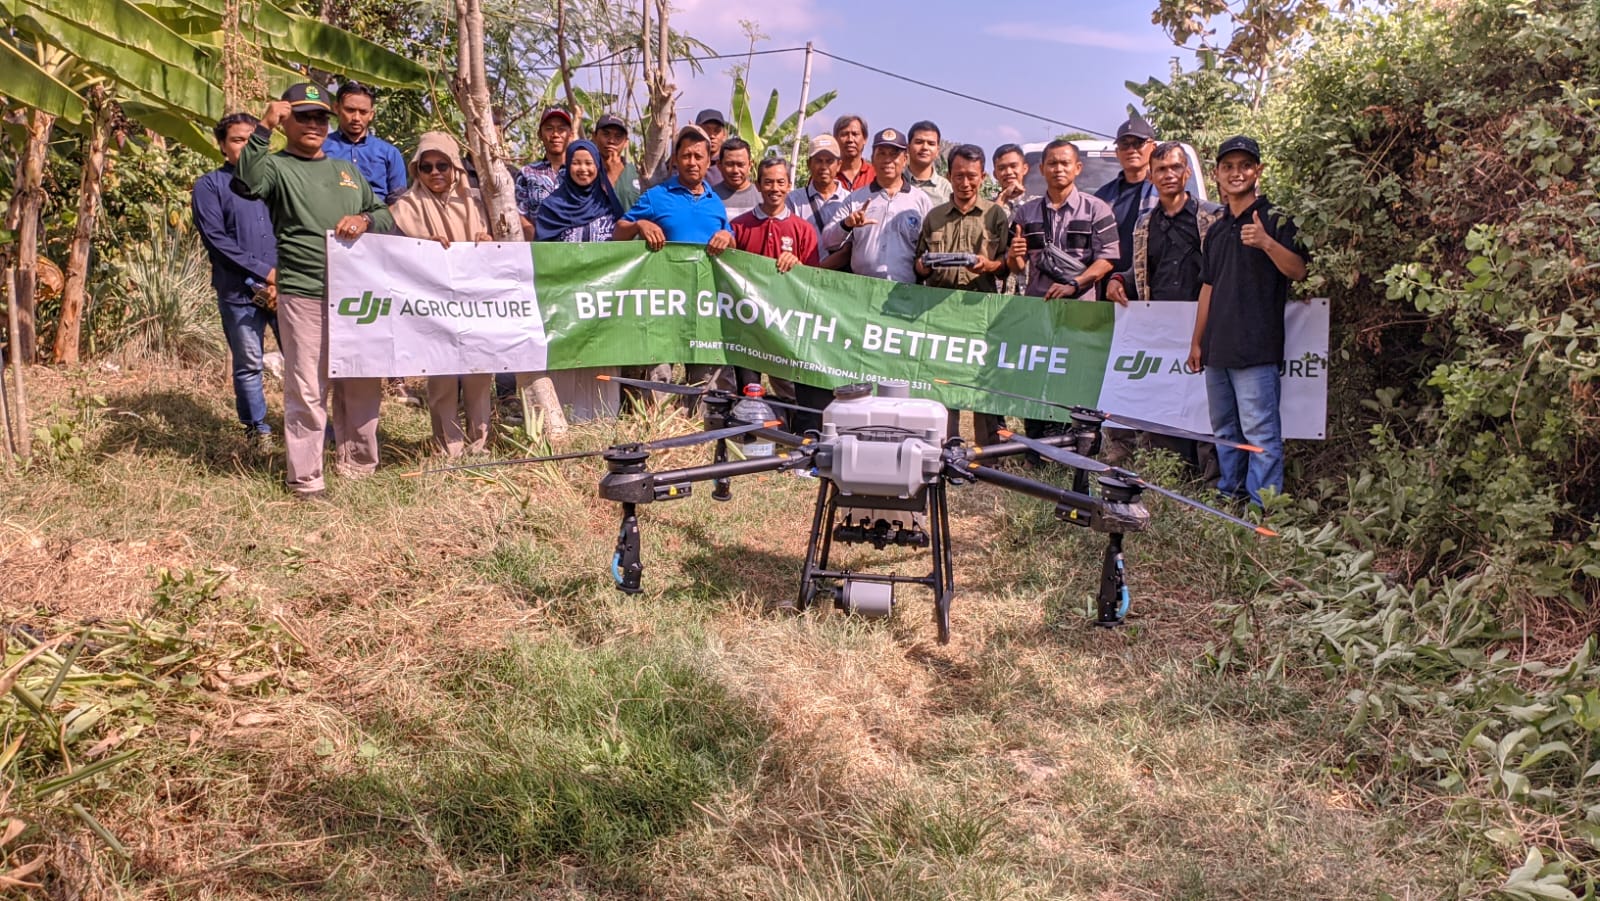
{"x": 427, "y": 168}
{"x": 1134, "y": 144}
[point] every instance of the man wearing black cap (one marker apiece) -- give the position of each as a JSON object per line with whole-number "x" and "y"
{"x": 715, "y": 125}
{"x": 1131, "y": 194}
{"x": 309, "y": 194}
{"x": 1248, "y": 261}
{"x": 883, "y": 220}
{"x": 611, "y": 136}
{"x": 539, "y": 180}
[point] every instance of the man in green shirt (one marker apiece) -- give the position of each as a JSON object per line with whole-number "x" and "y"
{"x": 611, "y": 136}
{"x": 309, "y": 194}
{"x": 976, "y": 228}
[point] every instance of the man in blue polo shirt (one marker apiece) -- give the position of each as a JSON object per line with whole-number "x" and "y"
{"x": 380, "y": 162}
{"x": 684, "y": 210}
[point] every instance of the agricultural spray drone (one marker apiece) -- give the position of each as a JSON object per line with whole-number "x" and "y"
{"x": 883, "y": 462}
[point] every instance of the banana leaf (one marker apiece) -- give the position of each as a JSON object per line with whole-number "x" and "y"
{"x": 26, "y": 83}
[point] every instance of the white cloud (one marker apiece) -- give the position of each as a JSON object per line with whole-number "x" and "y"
{"x": 1078, "y": 36}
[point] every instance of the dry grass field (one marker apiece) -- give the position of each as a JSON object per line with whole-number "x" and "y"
{"x": 428, "y": 688}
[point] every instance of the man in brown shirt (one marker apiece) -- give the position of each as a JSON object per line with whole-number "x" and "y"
{"x": 967, "y": 224}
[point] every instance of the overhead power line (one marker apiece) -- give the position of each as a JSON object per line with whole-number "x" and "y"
{"x": 608, "y": 61}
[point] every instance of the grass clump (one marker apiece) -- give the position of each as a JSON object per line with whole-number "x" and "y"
{"x": 558, "y": 752}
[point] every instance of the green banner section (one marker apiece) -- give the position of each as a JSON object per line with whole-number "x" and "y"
{"x": 618, "y": 304}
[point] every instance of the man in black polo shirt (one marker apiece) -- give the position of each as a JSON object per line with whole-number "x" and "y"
{"x": 1165, "y": 255}
{"x": 1247, "y": 264}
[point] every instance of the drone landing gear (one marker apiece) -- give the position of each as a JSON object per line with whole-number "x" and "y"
{"x": 1111, "y": 606}
{"x": 871, "y": 594}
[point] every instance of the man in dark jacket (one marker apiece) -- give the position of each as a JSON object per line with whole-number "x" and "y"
{"x": 237, "y": 233}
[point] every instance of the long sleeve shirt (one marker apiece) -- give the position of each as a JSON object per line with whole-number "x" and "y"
{"x": 237, "y": 233}
{"x": 380, "y": 162}
{"x": 306, "y": 199}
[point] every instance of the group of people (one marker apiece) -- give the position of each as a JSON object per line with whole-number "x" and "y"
{"x": 878, "y": 208}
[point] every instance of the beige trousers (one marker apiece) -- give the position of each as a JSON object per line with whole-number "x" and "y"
{"x": 476, "y": 393}
{"x": 303, "y": 328}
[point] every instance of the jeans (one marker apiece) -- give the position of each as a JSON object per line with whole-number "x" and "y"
{"x": 245, "y": 327}
{"x": 1244, "y": 407}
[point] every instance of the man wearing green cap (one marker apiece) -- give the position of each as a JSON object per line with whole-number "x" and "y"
{"x": 309, "y": 194}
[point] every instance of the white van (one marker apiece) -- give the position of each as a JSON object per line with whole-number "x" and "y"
{"x": 1100, "y": 166}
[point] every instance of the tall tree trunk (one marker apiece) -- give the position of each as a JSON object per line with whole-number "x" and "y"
{"x": 663, "y": 117}
{"x": 489, "y": 156}
{"x": 561, "y": 56}
{"x": 94, "y": 166}
{"x": 23, "y": 217}
{"x": 19, "y": 396}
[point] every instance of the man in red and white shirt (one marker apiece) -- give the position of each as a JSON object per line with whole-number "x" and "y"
{"x": 773, "y": 230}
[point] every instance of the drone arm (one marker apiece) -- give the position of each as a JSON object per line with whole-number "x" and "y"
{"x": 732, "y": 468}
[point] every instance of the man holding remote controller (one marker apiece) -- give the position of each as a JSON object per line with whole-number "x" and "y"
{"x": 962, "y": 246}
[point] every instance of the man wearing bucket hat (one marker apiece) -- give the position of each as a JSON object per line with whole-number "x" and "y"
{"x": 309, "y": 194}
{"x": 815, "y": 201}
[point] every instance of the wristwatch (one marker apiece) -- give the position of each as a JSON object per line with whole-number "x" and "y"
{"x": 1076, "y": 288}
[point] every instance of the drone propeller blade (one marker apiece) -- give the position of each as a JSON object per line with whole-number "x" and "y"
{"x": 488, "y": 464}
{"x": 1145, "y": 425}
{"x": 1058, "y": 454}
{"x": 1011, "y": 394}
{"x": 713, "y": 435}
{"x": 663, "y": 387}
{"x": 788, "y": 406}
{"x": 1165, "y": 492}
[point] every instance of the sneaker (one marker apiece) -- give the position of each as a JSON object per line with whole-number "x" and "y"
{"x": 263, "y": 443}
{"x": 308, "y": 497}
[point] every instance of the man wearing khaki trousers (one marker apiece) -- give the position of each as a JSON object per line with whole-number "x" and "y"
{"x": 309, "y": 194}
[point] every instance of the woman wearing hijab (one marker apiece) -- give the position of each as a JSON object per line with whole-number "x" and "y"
{"x": 583, "y": 208}
{"x": 441, "y": 206}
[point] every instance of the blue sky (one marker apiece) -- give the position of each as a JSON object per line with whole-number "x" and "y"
{"x": 1065, "y": 59}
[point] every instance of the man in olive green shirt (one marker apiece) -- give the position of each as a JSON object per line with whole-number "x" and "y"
{"x": 967, "y": 224}
{"x": 308, "y": 195}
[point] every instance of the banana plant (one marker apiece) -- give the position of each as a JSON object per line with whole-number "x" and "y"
{"x": 771, "y": 134}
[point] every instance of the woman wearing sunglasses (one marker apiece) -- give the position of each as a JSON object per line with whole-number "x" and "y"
{"x": 583, "y": 208}
{"x": 441, "y": 206}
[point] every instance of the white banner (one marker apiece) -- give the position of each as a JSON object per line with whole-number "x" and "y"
{"x": 1146, "y": 375}
{"x": 403, "y": 306}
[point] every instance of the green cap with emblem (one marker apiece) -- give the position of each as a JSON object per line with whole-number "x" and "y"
{"x": 306, "y": 97}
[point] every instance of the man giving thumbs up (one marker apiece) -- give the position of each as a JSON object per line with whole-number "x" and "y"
{"x": 1249, "y": 259}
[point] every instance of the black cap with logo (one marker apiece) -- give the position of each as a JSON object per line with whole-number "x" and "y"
{"x": 610, "y": 121}
{"x": 1239, "y": 142}
{"x": 711, "y": 115}
{"x": 889, "y": 138}
{"x": 306, "y": 97}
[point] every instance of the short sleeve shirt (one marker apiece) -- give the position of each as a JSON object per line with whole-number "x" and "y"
{"x": 535, "y": 182}
{"x": 771, "y": 236}
{"x": 980, "y": 230}
{"x": 887, "y": 248}
{"x": 682, "y": 215}
{"x": 1083, "y": 226}
{"x": 1245, "y": 324}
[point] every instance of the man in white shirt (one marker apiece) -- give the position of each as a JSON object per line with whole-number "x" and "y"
{"x": 883, "y": 220}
